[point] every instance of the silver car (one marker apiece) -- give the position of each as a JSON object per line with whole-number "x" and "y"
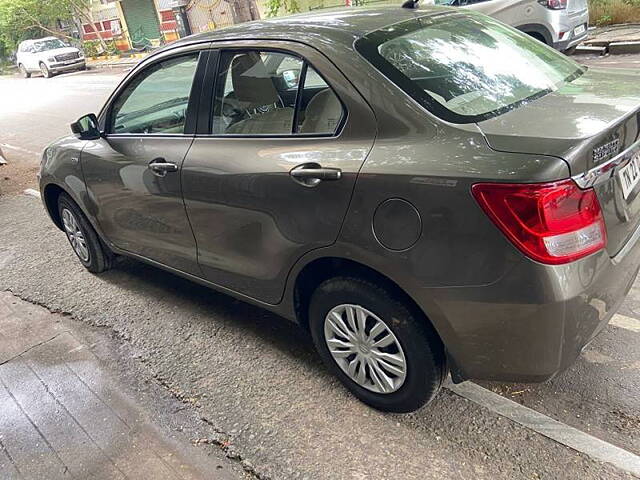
{"x": 561, "y": 24}
{"x": 424, "y": 191}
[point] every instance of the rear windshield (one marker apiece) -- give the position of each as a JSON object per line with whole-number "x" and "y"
{"x": 466, "y": 67}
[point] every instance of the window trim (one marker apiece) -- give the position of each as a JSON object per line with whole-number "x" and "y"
{"x": 204, "y": 131}
{"x": 202, "y": 57}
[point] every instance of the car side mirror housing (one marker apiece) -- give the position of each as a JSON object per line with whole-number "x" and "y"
{"x": 86, "y": 128}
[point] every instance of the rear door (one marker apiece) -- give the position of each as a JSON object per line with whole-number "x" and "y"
{"x": 270, "y": 174}
{"x": 132, "y": 173}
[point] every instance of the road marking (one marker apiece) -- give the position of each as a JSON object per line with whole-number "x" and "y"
{"x": 32, "y": 193}
{"x": 628, "y": 323}
{"x": 19, "y": 149}
{"x": 568, "y": 436}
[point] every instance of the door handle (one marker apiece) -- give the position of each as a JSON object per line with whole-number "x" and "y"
{"x": 311, "y": 174}
{"x": 161, "y": 167}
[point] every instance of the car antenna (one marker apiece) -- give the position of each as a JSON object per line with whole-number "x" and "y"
{"x": 410, "y": 4}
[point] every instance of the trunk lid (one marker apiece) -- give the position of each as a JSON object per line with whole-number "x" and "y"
{"x": 587, "y": 122}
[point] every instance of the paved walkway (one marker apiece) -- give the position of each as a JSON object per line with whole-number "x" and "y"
{"x": 62, "y": 416}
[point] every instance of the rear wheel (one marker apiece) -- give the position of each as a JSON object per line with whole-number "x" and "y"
{"x": 384, "y": 352}
{"x": 46, "y": 73}
{"x": 23, "y": 71}
{"x": 92, "y": 253}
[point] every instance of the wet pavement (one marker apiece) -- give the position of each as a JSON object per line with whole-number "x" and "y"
{"x": 62, "y": 415}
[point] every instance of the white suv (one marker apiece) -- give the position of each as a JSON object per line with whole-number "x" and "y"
{"x": 561, "y": 24}
{"x": 48, "y": 56}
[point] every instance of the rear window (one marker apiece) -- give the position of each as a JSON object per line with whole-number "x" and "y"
{"x": 466, "y": 67}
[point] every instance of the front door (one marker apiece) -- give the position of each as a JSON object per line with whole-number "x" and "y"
{"x": 271, "y": 175}
{"x": 133, "y": 173}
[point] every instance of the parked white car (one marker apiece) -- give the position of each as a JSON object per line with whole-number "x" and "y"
{"x": 49, "y": 56}
{"x": 561, "y": 24}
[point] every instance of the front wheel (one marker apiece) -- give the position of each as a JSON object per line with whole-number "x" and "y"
{"x": 92, "y": 253}
{"x": 46, "y": 73}
{"x": 383, "y": 351}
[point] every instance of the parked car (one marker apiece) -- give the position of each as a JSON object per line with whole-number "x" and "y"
{"x": 426, "y": 191}
{"x": 48, "y": 56}
{"x": 561, "y": 24}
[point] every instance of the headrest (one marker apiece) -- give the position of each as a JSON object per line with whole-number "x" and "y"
{"x": 252, "y": 84}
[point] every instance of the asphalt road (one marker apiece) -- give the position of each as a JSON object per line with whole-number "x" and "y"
{"x": 255, "y": 379}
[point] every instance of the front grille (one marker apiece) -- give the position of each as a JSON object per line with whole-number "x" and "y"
{"x": 67, "y": 56}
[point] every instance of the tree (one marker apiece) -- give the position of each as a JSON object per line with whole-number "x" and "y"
{"x": 23, "y": 19}
{"x": 276, "y": 7}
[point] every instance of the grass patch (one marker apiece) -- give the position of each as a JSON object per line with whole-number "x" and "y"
{"x": 612, "y": 12}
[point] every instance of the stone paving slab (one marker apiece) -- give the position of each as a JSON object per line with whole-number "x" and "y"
{"x": 63, "y": 416}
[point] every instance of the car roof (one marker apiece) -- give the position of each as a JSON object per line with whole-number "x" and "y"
{"x": 33, "y": 40}
{"x": 336, "y": 24}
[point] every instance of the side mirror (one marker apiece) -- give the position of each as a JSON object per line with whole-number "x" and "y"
{"x": 86, "y": 128}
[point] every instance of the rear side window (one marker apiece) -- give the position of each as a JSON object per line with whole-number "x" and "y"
{"x": 272, "y": 93}
{"x": 156, "y": 100}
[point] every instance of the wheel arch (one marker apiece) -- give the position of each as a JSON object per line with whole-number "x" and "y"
{"x": 50, "y": 195}
{"x": 323, "y": 268}
{"x": 537, "y": 31}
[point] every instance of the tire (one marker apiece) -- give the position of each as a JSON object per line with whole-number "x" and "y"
{"x": 23, "y": 71}
{"x": 413, "y": 338}
{"x": 46, "y": 73}
{"x": 95, "y": 256}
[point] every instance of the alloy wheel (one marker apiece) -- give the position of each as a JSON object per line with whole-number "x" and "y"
{"x": 365, "y": 348}
{"x": 75, "y": 235}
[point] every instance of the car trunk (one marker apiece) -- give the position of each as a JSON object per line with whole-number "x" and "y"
{"x": 586, "y": 123}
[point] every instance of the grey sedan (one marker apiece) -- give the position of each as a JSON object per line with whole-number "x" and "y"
{"x": 426, "y": 191}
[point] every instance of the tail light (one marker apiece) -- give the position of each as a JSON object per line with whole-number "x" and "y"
{"x": 552, "y": 223}
{"x": 554, "y": 4}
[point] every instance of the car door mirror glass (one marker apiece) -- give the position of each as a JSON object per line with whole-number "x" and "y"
{"x": 291, "y": 77}
{"x": 86, "y": 128}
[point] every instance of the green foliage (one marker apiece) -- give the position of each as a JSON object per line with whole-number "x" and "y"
{"x": 610, "y": 12}
{"x": 280, "y": 7}
{"x": 93, "y": 48}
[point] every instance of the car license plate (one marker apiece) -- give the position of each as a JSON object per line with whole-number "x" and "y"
{"x": 630, "y": 175}
{"x": 579, "y": 30}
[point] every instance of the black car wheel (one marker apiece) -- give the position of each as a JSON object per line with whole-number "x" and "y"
{"x": 376, "y": 344}
{"x": 23, "y": 71}
{"x": 92, "y": 253}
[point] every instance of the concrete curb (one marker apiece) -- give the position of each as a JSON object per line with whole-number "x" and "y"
{"x": 617, "y": 48}
{"x": 590, "y": 50}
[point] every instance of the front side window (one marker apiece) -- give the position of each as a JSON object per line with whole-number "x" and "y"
{"x": 156, "y": 100}
{"x": 466, "y": 67}
{"x": 272, "y": 93}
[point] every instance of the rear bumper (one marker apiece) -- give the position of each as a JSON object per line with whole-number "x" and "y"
{"x": 567, "y": 23}
{"x": 534, "y": 322}
{"x": 571, "y": 42}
